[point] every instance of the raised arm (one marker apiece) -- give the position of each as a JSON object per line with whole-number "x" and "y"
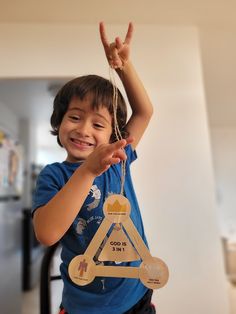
{"x": 118, "y": 56}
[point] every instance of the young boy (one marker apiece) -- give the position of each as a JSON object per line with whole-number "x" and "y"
{"x": 70, "y": 195}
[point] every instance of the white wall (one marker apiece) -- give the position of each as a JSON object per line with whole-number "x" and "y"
{"x": 224, "y": 156}
{"x": 173, "y": 176}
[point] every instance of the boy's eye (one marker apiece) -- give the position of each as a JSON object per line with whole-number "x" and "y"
{"x": 98, "y": 125}
{"x": 75, "y": 118}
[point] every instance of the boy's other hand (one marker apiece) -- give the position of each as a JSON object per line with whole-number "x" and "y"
{"x": 106, "y": 155}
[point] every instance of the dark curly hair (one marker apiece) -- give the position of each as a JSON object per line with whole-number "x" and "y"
{"x": 101, "y": 92}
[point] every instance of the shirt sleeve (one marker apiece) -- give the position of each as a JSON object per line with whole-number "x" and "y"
{"x": 131, "y": 154}
{"x": 47, "y": 186}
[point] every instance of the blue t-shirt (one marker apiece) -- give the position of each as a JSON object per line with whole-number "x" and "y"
{"x": 103, "y": 295}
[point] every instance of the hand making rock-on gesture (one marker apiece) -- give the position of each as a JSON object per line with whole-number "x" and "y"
{"x": 117, "y": 52}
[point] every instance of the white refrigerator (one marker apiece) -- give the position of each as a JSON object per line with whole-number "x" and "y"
{"x": 11, "y": 176}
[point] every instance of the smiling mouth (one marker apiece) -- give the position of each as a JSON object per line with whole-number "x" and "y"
{"x": 81, "y": 143}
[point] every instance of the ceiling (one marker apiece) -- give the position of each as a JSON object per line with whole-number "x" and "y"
{"x": 216, "y": 21}
{"x": 138, "y": 11}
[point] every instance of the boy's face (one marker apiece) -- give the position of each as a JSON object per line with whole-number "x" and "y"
{"x": 83, "y": 129}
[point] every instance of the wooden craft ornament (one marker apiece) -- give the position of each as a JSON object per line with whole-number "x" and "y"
{"x": 152, "y": 272}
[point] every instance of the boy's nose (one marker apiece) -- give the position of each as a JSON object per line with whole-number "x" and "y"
{"x": 83, "y": 129}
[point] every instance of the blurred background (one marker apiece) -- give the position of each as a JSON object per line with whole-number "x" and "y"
{"x": 185, "y": 176}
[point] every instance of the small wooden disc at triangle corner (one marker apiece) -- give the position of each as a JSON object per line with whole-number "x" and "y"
{"x": 82, "y": 270}
{"x": 154, "y": 273}
{"x": 116, "y": 208}
{"x": 118, "y": 248}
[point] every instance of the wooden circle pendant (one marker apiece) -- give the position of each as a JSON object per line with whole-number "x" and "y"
{"x": 82, "y": 270}
{"x": 116, "y": 208}
{"x": 154, "y": 273}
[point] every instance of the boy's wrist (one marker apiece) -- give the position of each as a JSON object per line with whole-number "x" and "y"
{"x": 86, "y": 172}
{"x": 125, "y": 67}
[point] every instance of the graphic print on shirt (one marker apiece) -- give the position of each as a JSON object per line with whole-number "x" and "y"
{"x": 81, "y": 225}
{"x": 95, "y": 194}
{"x": 87, "y": 223}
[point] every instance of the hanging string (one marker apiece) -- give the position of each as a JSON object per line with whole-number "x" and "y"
{"x": 116, "y": 125}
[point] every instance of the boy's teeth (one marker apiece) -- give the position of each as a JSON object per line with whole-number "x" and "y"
{"x": 81, "y": 142}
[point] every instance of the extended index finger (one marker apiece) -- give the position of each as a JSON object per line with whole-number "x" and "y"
{"x": 117, "y": 145}
{"x": 103, "y": 35}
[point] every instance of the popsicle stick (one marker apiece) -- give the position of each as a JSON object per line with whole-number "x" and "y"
{"x": 98, "y": 238}
{"x": 137, "y": 240}
{"x": 117, "y": 271}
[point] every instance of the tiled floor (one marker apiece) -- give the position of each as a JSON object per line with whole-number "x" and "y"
{"x": 232, "y": 296}
{"x": 31, "y": 299}
{"x": 30, "y": 304}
